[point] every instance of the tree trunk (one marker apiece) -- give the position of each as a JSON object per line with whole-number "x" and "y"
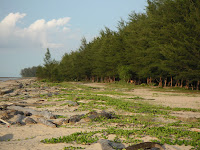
{"x": 171, "y": 81}
{"x": 147, "y": 80}
{"x": 114, "y": 78}
{"x": 108, "y": 79}
{"x": 187, "y": 84}
{"x": 139, "y": 82}
{"x": 93, "y": 79}
{"x": 181, "y": 83}
{"x": 97, "y": 79}
{"x": 101, "y": 79}
{"x": 160, "y": 83}
{"x": 150, "y": 80}
{"x": 176, "y": 83}
{"x": 198, "y": 85}
{"x": 165, "y": 82}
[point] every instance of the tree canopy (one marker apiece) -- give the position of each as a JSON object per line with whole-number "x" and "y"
{"x": 161, "y": 45}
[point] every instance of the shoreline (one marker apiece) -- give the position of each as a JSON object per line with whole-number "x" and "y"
{"x": 3, "y": 79}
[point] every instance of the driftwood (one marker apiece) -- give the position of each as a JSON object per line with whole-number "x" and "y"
{"x": 8, "y": 124}
{"x": 46, "y": 122}
{"x": 45, "y": 113}
{"x": 145, "y": 145}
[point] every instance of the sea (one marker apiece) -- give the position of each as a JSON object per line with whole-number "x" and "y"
{"x": 2, "y": 79}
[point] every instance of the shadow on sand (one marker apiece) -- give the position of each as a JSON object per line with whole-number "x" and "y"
{"x": 6, "y": 137}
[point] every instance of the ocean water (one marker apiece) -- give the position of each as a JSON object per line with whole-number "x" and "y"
{"x": 2, "y": 79}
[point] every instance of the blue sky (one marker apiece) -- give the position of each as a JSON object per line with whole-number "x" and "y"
{"x": 29, "y": 27}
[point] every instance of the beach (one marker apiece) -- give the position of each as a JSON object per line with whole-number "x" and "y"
{"x": 70, "y": 106}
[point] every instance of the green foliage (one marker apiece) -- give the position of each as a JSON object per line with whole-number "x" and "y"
{"x": 50, "y": 71}
{"x": 29, "y": 72}
{"x": 161, "y": 43}
{"x": 124, "y": 73}
{"x": 78, "y": 137}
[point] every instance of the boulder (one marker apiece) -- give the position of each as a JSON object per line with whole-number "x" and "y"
{"x": 6, "y": 91}
{"x": 109, "y": 145}
{"x": 30, "y": 121}
{"x": 71, "y": 103}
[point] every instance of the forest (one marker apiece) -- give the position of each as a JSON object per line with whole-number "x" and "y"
{"x": 159, "y": 47}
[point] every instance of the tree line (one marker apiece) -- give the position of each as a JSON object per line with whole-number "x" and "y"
{"x": 29, "y": 72}
{"x": 159, "y": 46}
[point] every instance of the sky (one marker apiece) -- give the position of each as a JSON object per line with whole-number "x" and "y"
{"x": 29, "y": 27}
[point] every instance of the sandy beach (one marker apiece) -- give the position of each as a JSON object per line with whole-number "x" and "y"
{"x": 39, "y": 97}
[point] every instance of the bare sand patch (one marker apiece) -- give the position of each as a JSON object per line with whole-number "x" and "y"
{"x": 170, "y": 99}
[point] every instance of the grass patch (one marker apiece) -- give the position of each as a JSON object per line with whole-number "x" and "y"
{"x": 170, "y": 133}
{"x": 166, "y": 135}
{"x": 78, "y": 137}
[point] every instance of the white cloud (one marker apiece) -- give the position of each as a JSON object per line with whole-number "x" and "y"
{"x": 8, "y": 24}
{"x": 11, "y": 19}
{"x": 37, "y": 25}
{"x": 40, "y": 33}
{"x": 59, "y": 22}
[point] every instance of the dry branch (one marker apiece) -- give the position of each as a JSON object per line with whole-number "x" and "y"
{"x": 5, "y": 122}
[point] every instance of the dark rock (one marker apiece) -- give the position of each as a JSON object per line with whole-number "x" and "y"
{"x": 44, "y": 113}
{"x": 5, "y": 116}
{"x": 6, "y": 91}
{"x": 106, "y": 115}
{"x": 109, "y": 145}
{"x": 30, "y": 121}
{"x": 75, "y": 118}
{"x": 46, "y": 122}
{"x": 27, "y": 113}
{"x": 49, "y": 94}
{"x": 59, "y": 122}
{"x": 71, "y": 103}
{"x": 66, "y": 121}
{"x": 20, "y": 86}
{"x": 19, "y": 119}
{"x": 18, "y": 112}
{"x": 145, "y": 145}
{"x": 56, "y": 93}
{"x": 3, "y": 107}
{"x": 94, "y": 115}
